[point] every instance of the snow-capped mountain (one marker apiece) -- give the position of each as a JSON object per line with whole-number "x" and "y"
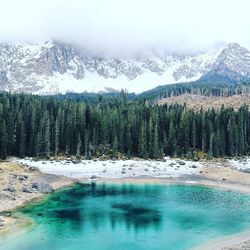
{"x": 233, "y": 63}
{"x": 54, "y": 67}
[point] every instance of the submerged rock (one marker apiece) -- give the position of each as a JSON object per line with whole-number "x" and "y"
{"x": 42, "y": 187}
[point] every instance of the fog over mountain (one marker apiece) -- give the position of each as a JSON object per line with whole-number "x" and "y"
{"x": 58, "y": 46}
{"x": 113, "y": 28}
{"x": 54, "y": 67}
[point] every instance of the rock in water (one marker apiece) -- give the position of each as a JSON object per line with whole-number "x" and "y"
{"x": 42, "y": 187}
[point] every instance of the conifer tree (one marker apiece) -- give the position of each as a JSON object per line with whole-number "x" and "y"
{"x": 47, "y": 135}
{"x": 142, "y": 147}
{"x": 156, "y": 148}
{"x": 3, "y": 140}
{"x": 78, "y": 147}
{"x": 115, "y": 146}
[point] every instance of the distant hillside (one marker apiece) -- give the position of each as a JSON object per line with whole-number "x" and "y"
{"x": 197, "y": 102}
{"x": 220, "y": 88}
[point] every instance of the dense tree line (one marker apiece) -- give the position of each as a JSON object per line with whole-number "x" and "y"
{"x": 95, "y": 98}
{"x": 48, "y": 126}
{"x": 199, "y": 87}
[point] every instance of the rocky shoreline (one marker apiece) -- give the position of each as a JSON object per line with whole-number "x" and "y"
{"x": 20, "y": 184}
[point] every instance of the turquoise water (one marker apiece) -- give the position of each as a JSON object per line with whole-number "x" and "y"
{"x": 131, "y": 217}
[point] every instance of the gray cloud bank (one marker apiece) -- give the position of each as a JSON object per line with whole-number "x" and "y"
{"x": 128, "y": 27}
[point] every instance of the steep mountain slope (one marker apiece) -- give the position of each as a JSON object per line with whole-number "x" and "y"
{"x": 54, "y": 67}
{"x": 233, "y": 63}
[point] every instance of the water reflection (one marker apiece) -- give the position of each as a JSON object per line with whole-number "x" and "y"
{"x": 94, "y": 204}
{"x": 136, "y": 216}
{"x": 69, "y": 214}
{"x": 128, "y": 206}
{"x": 133, "y": 217}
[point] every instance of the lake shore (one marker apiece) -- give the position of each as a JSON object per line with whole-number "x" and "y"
{"x": 218, "y": 174}
{"x": 240, "y": 241}
{"x": 16, "y": 181}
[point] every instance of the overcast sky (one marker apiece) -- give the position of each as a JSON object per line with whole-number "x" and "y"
{"x": 120, "y": 27}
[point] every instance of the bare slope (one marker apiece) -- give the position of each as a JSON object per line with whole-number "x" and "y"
{"x": 207, "y": 102}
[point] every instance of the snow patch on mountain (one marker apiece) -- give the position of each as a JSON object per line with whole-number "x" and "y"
{"x": 53, "y": 67}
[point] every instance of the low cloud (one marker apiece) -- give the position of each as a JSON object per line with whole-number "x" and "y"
{"x": 117, "y": 28}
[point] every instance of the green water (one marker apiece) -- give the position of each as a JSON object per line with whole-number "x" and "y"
{"x": 131, "y": 217}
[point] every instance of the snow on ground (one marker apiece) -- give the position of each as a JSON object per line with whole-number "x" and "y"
{"x": 240, "y": 164}
{"x": 116, "y": 169}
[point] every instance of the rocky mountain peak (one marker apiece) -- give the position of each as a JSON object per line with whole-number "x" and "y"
{"x": 55, "y": 67}
{"x": 233, "y": 63}
{"x": 233, "y": 46}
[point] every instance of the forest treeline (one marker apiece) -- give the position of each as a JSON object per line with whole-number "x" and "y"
{"x": 49, "y": 126}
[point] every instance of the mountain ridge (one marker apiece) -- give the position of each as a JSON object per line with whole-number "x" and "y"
{"x": 54, "y": 67}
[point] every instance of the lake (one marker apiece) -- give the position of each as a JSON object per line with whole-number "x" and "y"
{"x": 113, "y": 216}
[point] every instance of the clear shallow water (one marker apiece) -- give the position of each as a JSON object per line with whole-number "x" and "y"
{"x": 131, "y": 217}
